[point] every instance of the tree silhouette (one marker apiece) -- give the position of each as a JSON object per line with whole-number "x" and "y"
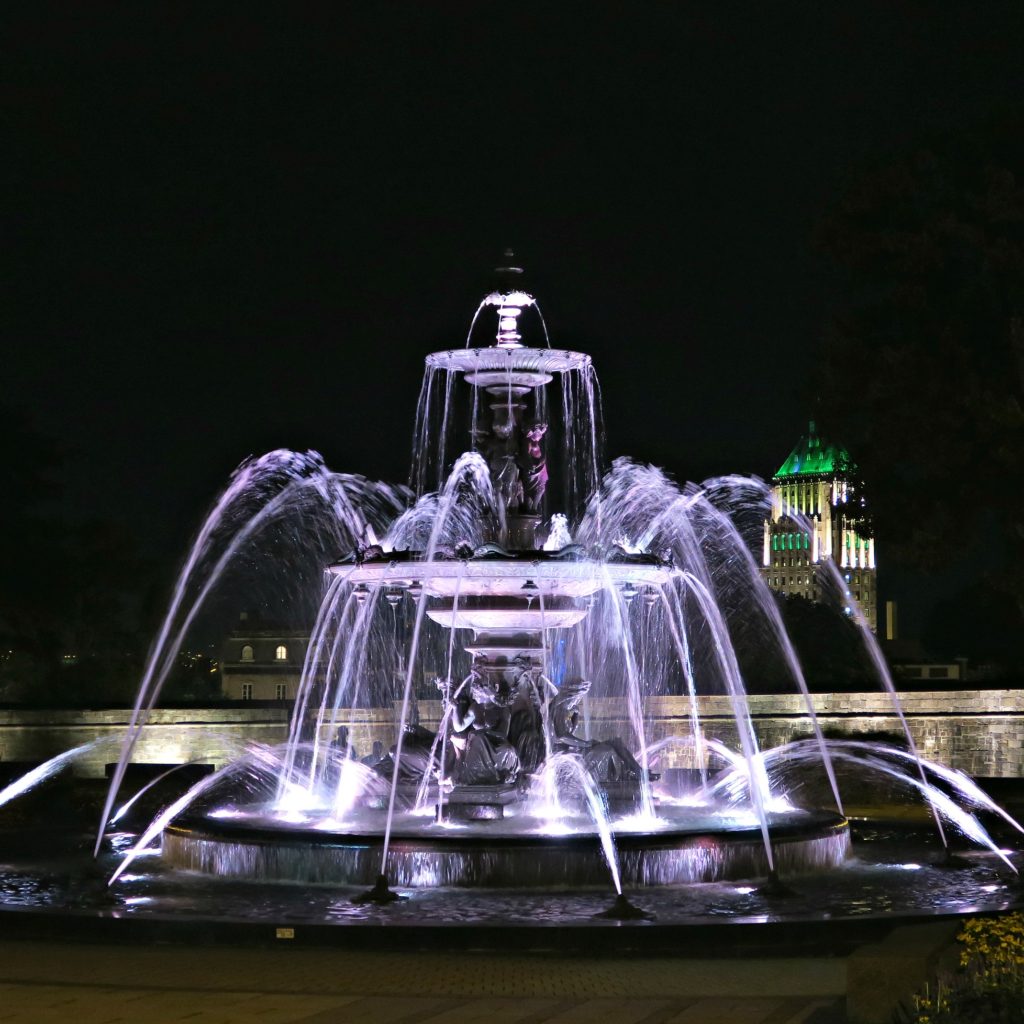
{"x": 72, "y": 623}
{"x": 923, "y": 366}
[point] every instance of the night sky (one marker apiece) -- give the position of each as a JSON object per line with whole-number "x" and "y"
{"x": 227, "y": 234}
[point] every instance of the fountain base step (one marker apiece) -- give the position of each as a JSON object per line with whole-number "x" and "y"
{"x": 407, "y": 794}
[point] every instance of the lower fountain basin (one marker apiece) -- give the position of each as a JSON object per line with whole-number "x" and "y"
{"x": 486, "y": 856}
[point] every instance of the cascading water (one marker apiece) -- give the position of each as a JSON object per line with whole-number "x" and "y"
{"x": 332, "y": 508}
{"x": 478, "y": 703}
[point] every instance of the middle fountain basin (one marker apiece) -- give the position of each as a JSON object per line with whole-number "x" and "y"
{"x": 506, "y": 577}
{"x": 527, "y": 590}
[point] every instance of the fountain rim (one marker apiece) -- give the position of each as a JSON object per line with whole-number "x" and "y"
{"x": 494, "y": 358}
{"x": 812, "y": 824}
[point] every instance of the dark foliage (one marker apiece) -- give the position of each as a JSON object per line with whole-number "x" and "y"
{"x": 75, "y": 603}
{"x": 924, "y": 364}
{"x": 827, "y": 643}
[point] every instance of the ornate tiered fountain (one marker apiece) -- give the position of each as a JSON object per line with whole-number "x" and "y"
{"x": 509, "y": 788}
{"x": 499, "y": 699}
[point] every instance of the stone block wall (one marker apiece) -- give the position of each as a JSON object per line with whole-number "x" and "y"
{"x": 979, "y": 732}
{"x": 171, "y": 735}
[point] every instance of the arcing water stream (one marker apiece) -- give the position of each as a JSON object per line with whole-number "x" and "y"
{"x": 435, "y": 639}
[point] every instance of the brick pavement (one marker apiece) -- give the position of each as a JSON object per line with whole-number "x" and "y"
{"x": 91, "y": 984}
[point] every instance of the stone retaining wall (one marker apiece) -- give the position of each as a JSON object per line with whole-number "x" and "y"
{"x": 980, "y": 732}
{"x": 171, "y": 735}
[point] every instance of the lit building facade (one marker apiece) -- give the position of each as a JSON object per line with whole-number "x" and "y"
{"x": 819, "y": 515}
{"x": 259, "y": 662}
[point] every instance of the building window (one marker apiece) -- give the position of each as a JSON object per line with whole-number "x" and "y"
{"x": 247, "y": 652}
{"x": 938, "y": 671}
{"x": 281, "y": 653}
{"x": 281, "y": 691}
{"x": 246, "y": 691}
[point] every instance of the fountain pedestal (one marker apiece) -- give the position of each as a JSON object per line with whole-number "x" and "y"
{"x": 479, "y": 803}
{"x": 624, "y": 797}
{"x": 522, "y": 531}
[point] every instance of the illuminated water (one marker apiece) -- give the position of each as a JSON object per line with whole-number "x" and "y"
{"x": 889, "y": 874}
{"x": 514, "y": 607}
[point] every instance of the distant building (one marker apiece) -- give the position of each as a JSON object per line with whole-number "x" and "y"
{"x": 819, "y": 516}
{"x": 912, "y": 665}
{"x": 261, "y": 662}
{"x": 892, "y": 621}
{"x": 947, "y": 671}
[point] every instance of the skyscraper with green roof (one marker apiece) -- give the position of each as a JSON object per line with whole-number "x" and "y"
{"x": 818, "y": 515}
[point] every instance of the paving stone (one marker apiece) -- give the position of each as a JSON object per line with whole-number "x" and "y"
{"x": 726, "y": 1011}
{"x": 91, "y": 984}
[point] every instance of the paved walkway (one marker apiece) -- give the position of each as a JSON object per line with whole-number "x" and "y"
{"x": 91, "y": 984}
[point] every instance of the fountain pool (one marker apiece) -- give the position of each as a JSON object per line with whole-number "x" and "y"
{"x": 482, "y": 615}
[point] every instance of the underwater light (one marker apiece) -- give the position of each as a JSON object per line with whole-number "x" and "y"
{"x": 639, "y": 823}
{"x": 555, "y": 828}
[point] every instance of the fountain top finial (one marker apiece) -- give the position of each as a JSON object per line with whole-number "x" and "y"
{"x": 506, "y": 362}
{"x": 509, "y": 265}
{"x": 506, "y": 276}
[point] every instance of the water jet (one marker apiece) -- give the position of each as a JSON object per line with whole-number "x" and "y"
{"x": 478, "y": 711}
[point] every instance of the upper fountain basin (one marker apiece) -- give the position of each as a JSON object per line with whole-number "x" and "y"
{"x": 508, "y": 366}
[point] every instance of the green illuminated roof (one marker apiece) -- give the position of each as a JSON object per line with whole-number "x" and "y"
{"x": 814, "y": 456}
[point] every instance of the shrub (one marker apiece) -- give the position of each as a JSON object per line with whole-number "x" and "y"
{"x": 988, "y": 988}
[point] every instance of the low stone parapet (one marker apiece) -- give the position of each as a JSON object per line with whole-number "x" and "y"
{"x": 979, "y": 732}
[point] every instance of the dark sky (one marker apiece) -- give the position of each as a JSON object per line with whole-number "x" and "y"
{"x": 226, "y": 234}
